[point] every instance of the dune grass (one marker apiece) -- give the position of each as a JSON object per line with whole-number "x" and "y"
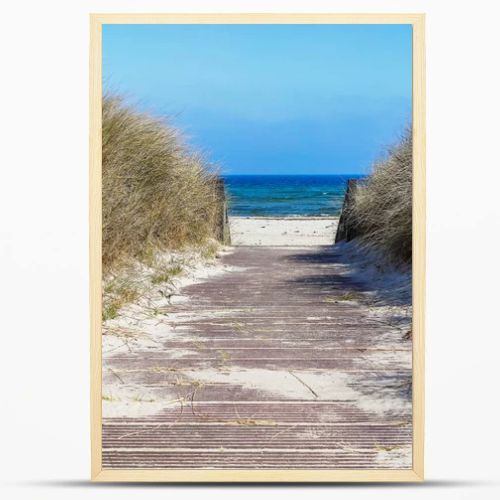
{"x": 382, "y": 205}
{"x": 118, "y": 291}
{"x": 157, "y": 193}
{"x": 158, "y": 196}
{"x": 165, "y": 274}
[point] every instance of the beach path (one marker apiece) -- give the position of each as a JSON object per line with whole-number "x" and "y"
{"x": 276, "y": 365}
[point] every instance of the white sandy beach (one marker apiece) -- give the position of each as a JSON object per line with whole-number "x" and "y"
{"x": 284, "y": 231}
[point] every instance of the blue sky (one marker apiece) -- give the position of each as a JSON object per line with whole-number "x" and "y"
{"x": 270, "y": 99}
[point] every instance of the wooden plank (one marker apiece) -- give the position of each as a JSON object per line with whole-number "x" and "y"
{"x": 299, "y": 390}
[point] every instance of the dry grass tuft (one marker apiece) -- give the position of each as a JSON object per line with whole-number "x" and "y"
{"x": 117, "y": 292}
{"x": 157, "y": 193}
{"x": 165, "y": 274}
{"x": 382, "y": 205}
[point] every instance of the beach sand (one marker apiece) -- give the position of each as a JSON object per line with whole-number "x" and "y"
{"x": 288, "y": 231}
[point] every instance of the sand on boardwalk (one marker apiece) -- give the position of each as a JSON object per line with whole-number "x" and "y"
{"x": 145, "y": 327}
{"x": 283, "y": 231}
{"x": 254, "y": 363}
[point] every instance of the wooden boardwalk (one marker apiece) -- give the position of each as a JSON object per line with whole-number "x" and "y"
{"x": 271, "y": 366}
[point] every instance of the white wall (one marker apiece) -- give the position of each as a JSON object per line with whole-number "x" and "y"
{"x": 43, "y": 245}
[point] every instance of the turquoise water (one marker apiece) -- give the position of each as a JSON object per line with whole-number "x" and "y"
{"x": 286, "y": 195}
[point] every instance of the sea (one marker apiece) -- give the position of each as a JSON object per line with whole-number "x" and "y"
{"x": 286, "y": 195}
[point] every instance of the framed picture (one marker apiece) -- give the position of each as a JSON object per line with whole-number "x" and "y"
{"x": 257, "y": 247}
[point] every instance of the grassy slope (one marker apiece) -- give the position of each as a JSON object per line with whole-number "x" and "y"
{"x": 157, "y": 193}
{"x": 382, "y": 206}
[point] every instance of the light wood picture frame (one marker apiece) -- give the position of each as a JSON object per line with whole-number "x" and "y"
{"x": 98, "y": 473}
